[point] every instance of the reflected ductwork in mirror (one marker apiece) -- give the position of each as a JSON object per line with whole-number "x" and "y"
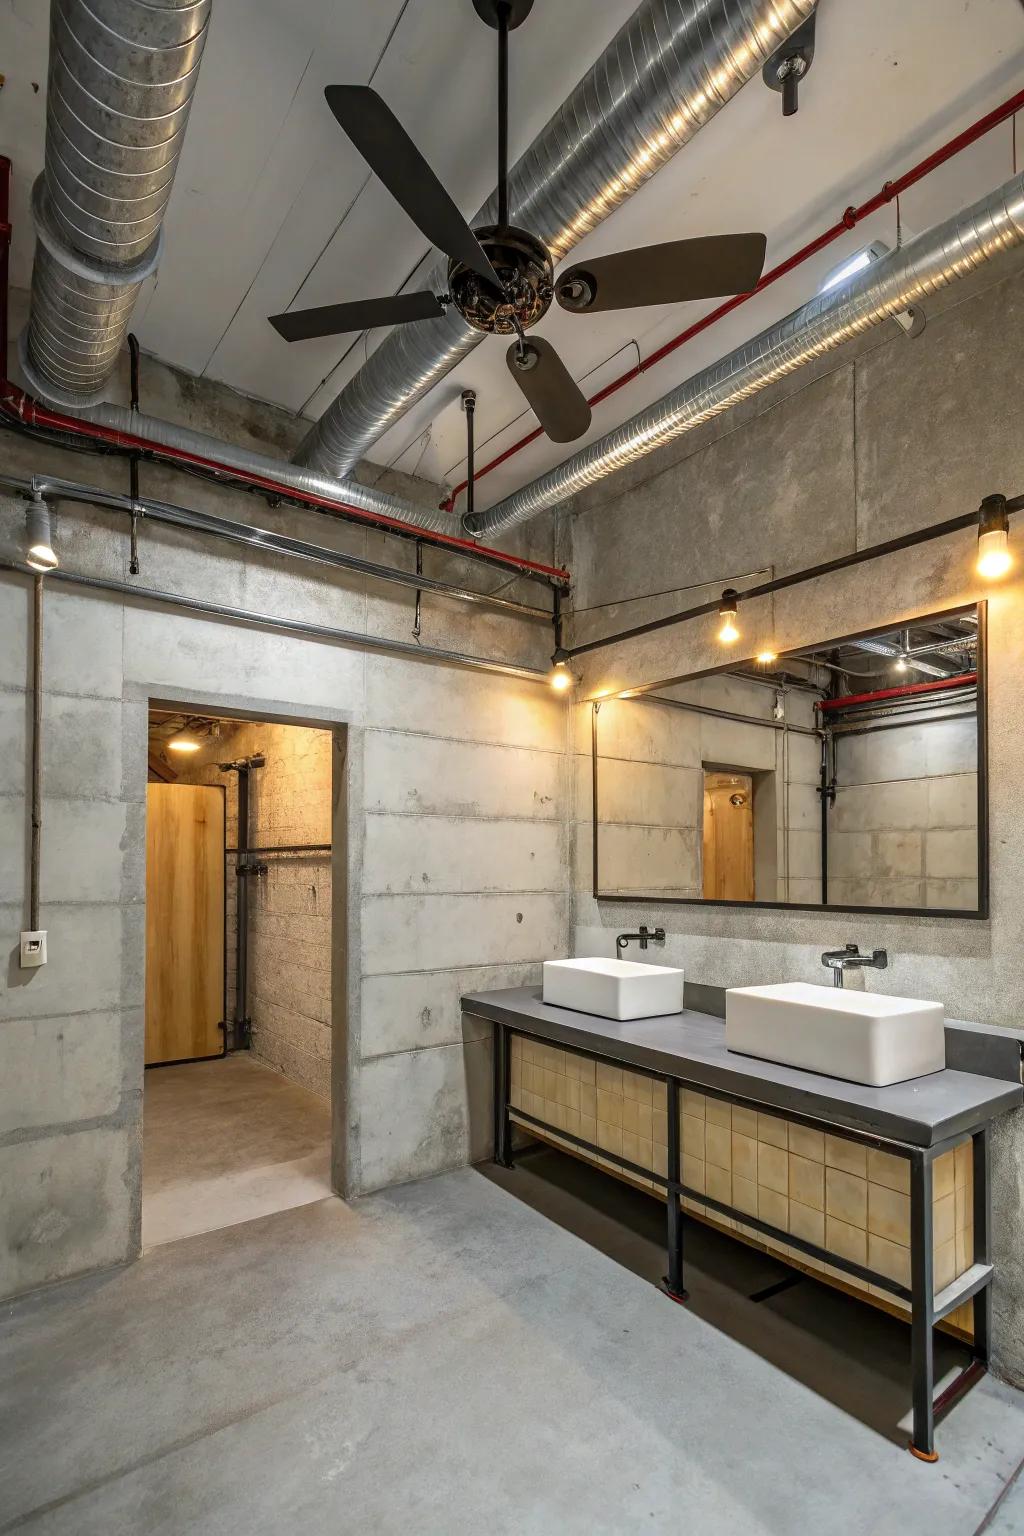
{"x": 847, "y": 775}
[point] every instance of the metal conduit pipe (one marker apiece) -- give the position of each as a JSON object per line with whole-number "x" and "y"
{"x": 121, "y": 80}
{"x": 308, "y": 482}
{"x": 933, "y": 260}
{"x": 664, "y": 75}
{"x": 53, "y": 488}
{"x": 303, "y": 627}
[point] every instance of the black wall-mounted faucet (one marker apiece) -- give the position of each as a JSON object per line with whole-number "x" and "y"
{"x": 644, "y": 937}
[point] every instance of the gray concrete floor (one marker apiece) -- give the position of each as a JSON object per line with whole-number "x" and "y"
{"x": 225, "y": 1142}
{"x": 441, "y": 1358}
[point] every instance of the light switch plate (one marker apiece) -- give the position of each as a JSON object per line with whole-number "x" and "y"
{"x": 33, "y": 949}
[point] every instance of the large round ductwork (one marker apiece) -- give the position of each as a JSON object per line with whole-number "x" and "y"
{"x": 121, "y": 80}
{"x": 887, "y": 288}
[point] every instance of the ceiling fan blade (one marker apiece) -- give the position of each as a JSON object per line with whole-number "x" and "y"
{"x": 360, "y": 315}
{"x": 393, "y": 157}
{"x": 707, "y": 268}
{"x": 550, "y": 389}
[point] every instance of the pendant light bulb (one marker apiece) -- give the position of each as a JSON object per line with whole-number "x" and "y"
{"x": 994, "y": 558}
{"x": 560, "y": 677}
{"x": 728, "y": 632}
{"x": 38, "y": 536}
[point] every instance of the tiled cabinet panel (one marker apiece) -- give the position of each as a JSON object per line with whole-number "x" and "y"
{"x": 850, "y": 1199}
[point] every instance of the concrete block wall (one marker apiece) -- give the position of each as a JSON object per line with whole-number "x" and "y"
{"x": 447, "y": 857}
{"x": 904, "y": 828}
{"x": 290, "y": 907}
{"x": 884, "y": 436}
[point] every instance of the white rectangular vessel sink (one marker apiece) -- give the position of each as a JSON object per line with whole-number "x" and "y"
{"x": 858, "y": 1036}
{"x": 614, "y": 989}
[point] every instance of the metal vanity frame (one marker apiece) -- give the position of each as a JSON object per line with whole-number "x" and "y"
{"x": 927, "y": 1309}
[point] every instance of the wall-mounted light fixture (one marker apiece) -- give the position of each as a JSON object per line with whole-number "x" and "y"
{"x": 729, "y": 631}
{"x": 560, "y": 676}
{"x": 994, "y": 558}
{"x": 183, "y": 743}
{"x": 38, "y": 536}
{"x": 765, "y": 657}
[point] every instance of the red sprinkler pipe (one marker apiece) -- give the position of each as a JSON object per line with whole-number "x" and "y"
{"x": 850, "y": 219}
{"x": 964, "y": 680}
{"x": 21, "y": 407}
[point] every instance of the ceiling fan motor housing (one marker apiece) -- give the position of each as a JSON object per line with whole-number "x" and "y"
{"x": 524, "y": 266}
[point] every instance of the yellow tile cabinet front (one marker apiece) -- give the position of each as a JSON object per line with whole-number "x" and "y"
{"x": 852, "y": 1200}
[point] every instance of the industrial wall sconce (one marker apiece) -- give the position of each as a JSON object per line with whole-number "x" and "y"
{"x": 38, "y": 535}
{"x": 994, "y": 558}
{"x": 560, "y": 677}
{"x": 729, "y": 632}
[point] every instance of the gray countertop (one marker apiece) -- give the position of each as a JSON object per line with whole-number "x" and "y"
{"x": 691, "y": 1046}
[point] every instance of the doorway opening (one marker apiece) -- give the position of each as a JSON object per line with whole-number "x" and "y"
{"x": 728, "y": 869}
{"x": 240, "y": 962}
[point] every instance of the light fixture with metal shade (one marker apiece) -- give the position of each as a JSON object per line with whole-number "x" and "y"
{"x": 994, "y": 558}
{"x": 729, "y": 631}
{"x": 38, "y": 535}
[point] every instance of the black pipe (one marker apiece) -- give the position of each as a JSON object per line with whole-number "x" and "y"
{"x": 242, "y": 1037}
{"x": 286, "y": 848}
{"x": 133, "y": 462}
{"x": 827, "y": 795}
{"x": 469, "y": 406}
{"x": 259, "y": 538}
{"x": 503, "y": 10}
{"x": 417, "y": 624}
{"x": 797, "y": 578}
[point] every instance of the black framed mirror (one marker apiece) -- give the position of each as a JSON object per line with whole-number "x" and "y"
{"x": 848, "y": 775}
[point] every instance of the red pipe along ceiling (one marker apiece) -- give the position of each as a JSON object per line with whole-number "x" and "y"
{"x": 19, "y": 406}
{"x": 964, "y": 680}
{"x": 850, "y": 219}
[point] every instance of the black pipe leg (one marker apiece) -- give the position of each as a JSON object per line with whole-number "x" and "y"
{"x": 673, "y": 1281}
{"x": 981, "y": 1154}
{"x": 922, "y": 1286}
{"x": 502, "y": 1077}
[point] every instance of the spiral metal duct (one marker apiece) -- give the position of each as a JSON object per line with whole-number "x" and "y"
{"x": 121, "y": 79}
{"x": 888, "y": 287}
{"x": 665, "y": 74}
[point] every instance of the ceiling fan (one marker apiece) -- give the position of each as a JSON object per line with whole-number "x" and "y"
{"x": 501, "y": 279}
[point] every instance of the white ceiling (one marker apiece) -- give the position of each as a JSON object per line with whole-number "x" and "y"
{"x": 273, "y": 208}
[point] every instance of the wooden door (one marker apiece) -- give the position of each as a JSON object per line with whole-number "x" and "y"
{"x": 184, "y": 921}
{"x": 728, "y": 837}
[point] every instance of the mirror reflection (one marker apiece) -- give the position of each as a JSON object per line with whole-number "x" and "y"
{"x": 848, "y": 774}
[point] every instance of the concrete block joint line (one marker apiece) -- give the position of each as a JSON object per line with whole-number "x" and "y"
{"x": 665, "y": 74}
